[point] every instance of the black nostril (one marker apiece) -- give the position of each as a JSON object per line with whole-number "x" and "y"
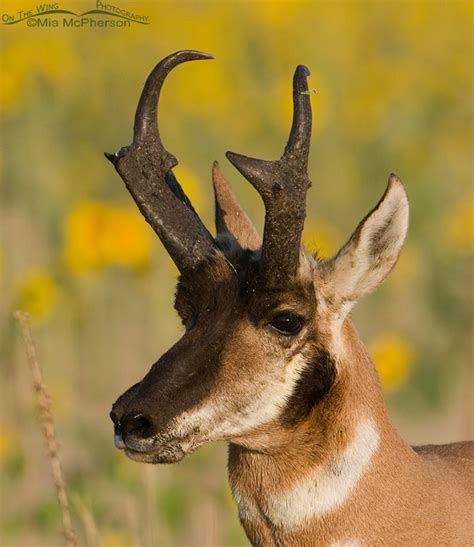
{"x": 137, "y": 425}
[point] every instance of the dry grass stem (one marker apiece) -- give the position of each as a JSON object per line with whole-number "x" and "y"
{"x": 88, "y": 522}
{"x": 47, "y": 425}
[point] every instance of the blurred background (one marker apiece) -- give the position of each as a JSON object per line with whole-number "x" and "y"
{"x": 393, "y": 85}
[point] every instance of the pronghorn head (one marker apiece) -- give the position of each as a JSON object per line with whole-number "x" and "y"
{"x": 261, "y": 319}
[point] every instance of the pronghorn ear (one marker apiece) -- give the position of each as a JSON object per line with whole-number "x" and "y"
{"x": 230, "y": 217}
{"x": 371, "y": 252}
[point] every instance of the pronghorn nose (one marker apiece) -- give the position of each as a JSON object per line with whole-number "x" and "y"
{"x": 136, "y": 425}
{"x": 115, "y": 419}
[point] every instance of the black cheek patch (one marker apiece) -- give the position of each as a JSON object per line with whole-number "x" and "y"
{"x": 312, "y": 385}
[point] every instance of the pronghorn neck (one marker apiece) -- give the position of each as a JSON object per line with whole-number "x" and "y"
{"x": 318, "y": 469}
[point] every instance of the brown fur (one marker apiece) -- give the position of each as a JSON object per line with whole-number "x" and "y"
{"x": 408, "y": 496}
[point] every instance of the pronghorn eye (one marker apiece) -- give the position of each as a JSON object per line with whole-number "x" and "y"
{"x": 287, "y": 324}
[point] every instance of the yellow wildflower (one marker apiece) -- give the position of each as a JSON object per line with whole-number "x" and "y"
{"x": 7, "y": 444}
{"x": 127, "y": 239}
{"x": 51, "y": 56}
{"x": 37, "y": 293}
{"x": 276, "y": 12}
{"x": 393, "y": 358}
{"x": 99, "y": 235}
{"x": 115, "y": 538}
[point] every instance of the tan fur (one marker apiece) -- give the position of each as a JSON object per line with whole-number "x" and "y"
{"x": 407, "y": 496}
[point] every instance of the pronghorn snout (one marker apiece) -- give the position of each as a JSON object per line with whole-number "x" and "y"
{"x": 138, "y": 436}
{"x": 133, "y": 431}
{"x": 145, "y": 436}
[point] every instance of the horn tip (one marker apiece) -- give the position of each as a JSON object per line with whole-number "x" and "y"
{"x": 249, "y": 164}
{"x": 233, "y": 157}
{"x": 193, "y": 54}
{"x": 303, "y": 70}
{"x": 300, "y": 83}
{"x": 239, "y": 161}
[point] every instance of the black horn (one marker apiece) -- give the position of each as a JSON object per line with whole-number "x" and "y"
{"x": 146, "y": 168}
{"x": 283, "y": 185}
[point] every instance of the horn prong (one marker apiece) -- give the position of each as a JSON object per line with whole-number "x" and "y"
{"x": 283, "y": 185}
{"x": 146, "y": 168}
{"x": 257, "y": 172}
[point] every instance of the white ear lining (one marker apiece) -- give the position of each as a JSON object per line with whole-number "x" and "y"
{"x": 371, "y": 252}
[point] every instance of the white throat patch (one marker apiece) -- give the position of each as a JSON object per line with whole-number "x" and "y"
{"x": 327, "y": 487}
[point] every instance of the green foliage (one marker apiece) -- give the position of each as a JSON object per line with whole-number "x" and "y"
{"x": 174, "y": 505}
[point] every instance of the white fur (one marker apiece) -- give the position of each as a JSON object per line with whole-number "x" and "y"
{"x": 261, "y": 405}
{"x": 328, "y": 487}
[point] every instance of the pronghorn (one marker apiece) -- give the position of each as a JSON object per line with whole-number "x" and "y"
{"x": 271, "y": 363}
